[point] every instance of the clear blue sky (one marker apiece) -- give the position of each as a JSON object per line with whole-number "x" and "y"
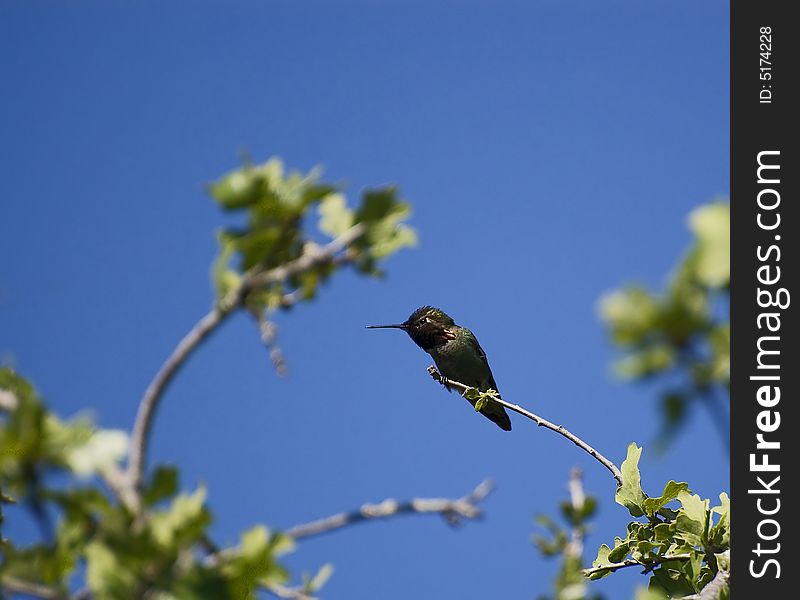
{"x": 551, "y": 151}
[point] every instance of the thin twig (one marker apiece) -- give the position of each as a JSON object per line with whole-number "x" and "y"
{"x": 269, "y": 337}
{"x": 631, "y": 562}
{"x": 312, "y": 256}
{"x": 452, "y": 510}
{"x": 541, "y": 422}
{"x": 287, "y": 593}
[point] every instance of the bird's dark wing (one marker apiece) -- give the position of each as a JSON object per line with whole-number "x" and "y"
{"x": 492, "y": 411}
{"x": 474, "y": 341}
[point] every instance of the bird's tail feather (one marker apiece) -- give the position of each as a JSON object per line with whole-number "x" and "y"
{"x": 496, "y": 413}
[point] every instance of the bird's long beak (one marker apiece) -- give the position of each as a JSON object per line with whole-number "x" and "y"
{"x": 397, "y": 326}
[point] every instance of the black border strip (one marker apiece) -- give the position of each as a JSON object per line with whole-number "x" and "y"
{"x": 765, "y": 108}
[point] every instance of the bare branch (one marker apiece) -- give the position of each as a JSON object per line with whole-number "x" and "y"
{"x": 287, "y": 593}
{"x": 577, "y": 498}
{"x": 147, "y": 407}
{"x": 453, "y": 511}
{"x": 559, "y": 429}
{"x": 118, "y": 482}
{"x": 312, "y": 256}
{"x": 37, "y": 590}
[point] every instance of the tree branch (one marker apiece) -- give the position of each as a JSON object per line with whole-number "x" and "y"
{"x": 648, "y": 564}
{"x": 312, "y": 256}
{"x": 559, "y": 429}
{"x": 147, "y": 406}
{"x": 287, "y": 593}
{"x": 453, "y": 511}
{"x": 37, "y": 590}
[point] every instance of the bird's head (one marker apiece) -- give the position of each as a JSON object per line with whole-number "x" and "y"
{"x": 427, "y": 326}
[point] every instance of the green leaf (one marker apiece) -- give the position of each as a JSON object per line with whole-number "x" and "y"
{"x": 721, "y": 532}
{"x": 473, "y": 394}
{"x": 712, "y": 225}
{"x": 645, "y": 362}
{"x": 198, "y": 583}
{"x": 601, "y": 560}
{"x": 671, "y": 490}
{"x": 39, "y": 563}
{"x": 577, "y": 516}
{"x": 663, "y": 532}
{"x": 719, "y": 338}
{"x": 673, "y": 407}
{"x": 181, "y": 523}
{"x": 643, "y": 549}
{"x": 649, "y": 594}
{"x": 335, "y": 217}
{"x": 630, "y": 313}
{"x": 692, "y": 518}
{"x": 554, "y": 546}
{"x": 108, "y": 576}
{"x": 620, "y": 550}
{"x": 254, "y": 561}
{"x": 383, "y": 214}
{"x": 237, "y": 189}
{"x": 223, "y": 277}
{"x": 255, "y": 542}
{"x": 630, "y": 494}
{"x": 162, "y": 484}
{"x": 105, "y": 449}
{"x": 671, "y": 579}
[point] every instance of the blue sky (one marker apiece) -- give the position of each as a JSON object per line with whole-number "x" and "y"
{"x": 551, "y": 151}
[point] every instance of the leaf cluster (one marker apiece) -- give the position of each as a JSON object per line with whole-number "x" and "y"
{"x": 565, "y": 541}
{"x": 682, "y": 547}
{"x": 682, "y": 335}
{"x": 273, "y": 206}
{"x": 161, "y": 551}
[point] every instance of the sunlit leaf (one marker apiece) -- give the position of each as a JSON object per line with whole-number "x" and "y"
{"x": 335, "y": 217}
{"x": 181, "y": 522}
{"x": 712, "y": 225}
{"x": 671, "y": 490}
{"x": 630, "y": 494}
{"x": 105, "y": 449}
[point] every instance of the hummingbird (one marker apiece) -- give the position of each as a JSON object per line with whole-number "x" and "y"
{"x": 456, "y": 352}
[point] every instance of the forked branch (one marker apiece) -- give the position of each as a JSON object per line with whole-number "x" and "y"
{"x": 312, "y": 257}
{"x": 453, "y": 511}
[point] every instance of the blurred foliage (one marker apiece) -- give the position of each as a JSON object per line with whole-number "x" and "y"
{"x": 63, "y": 472}
{"x": 124, "y": 555}
{"x": 566, "y": 542}
{"x": 274, "y": 205}
{"x": 681, "y": 337}
{"x": 682, "y": 548}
